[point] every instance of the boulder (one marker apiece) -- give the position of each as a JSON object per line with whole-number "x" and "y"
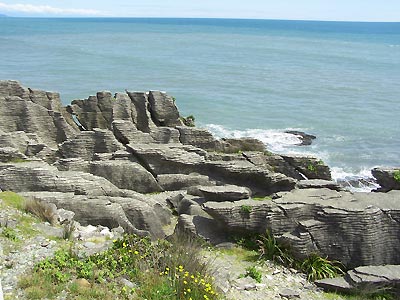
{"x": 387, "y": 178}
{"x": 224, "y": 193}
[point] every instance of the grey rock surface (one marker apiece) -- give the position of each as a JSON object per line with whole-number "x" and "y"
{"x": 175, "y": 182}
{"x": 365, "y": 280}
{"x": 387, "y": 178}
{"x": 318, "y": 183}
{"x": 126, "y": 174}
{"x": 224, "y": 193}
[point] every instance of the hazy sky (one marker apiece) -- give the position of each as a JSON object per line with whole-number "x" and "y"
{"x": 349, "y": 10}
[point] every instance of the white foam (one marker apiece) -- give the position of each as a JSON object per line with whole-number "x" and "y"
{"x": 279, "y": 141}
{"x": 361, "y": 181}
{"x": 275, "y": 140}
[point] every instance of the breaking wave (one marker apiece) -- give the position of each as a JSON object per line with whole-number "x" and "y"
{"x": 278, "y": 141}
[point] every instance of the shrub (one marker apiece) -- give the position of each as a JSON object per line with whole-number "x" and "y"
{"x": 271, "y": 249}
{"x": 246, "y": 209}
{"x": 9, "y": 233}
{"x": 317, "y": 267}
{"x": 42, "y": 210}
{"x": 189, "y": 121}
{"x": 252, "y": 272}
{"x": 68, "y": 230}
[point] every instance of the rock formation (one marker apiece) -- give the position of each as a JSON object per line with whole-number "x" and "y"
{"x": 129, "y": 160}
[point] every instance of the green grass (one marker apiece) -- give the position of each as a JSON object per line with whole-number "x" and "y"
{"x": 13, "y": 200}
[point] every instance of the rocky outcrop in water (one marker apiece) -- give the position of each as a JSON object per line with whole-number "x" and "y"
{"x": 387, "y": 178}
{"x": 114, "y": 160}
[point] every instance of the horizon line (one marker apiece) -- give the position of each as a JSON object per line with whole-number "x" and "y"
{"x": 193, "y": 18}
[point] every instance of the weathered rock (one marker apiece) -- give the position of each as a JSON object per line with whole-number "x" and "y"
{"x": 309, "y": 167}
{"x": 10, "y": 154}
{"x": 32, "y": 111}
{"x": 306, "y": 139}
{"x": 132, "y": 213}
{"x": 289, "y": 294}
{"x": 224, "y": 193}
{"x": 144, "y": 122}
{"x": 167, "y": 159}
{"x": 198, "y": 137}
{"x": 199, "y": 226}
{"x": 341, "y": 225}
{"x": 39, "y": 176}
{"x": 126, "y": 175}
{"x": 338, "y": 284}
{"x": 175, "y": 182}
{"x": 273, "y": 163}
{"x": 387, "y": 178}
{"x": 165, "y": 135}
{"x": 87, "y": 143}
{"x": 259, "y": 180}
{"x": 126, "y": 132}
{"x": 231, "y": 145}
{"x": 365, "y": 279}
{"x": 387, "y": 275}
{"x": 318, "y": 183}
{"x": 89, "y": 111}
{"x": 163, "y": 109}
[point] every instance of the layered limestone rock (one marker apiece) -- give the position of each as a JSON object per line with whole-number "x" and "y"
{"x": 32, "y": 111}
{"x": 367, "y": 279}
{"x": 95, "y": 155}
{"x": 356, "y": 229}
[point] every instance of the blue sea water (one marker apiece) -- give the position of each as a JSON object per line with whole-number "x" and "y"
{"x": 337, "y": 80}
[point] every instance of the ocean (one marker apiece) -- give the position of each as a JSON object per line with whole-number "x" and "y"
{"x": 339, "y": 81}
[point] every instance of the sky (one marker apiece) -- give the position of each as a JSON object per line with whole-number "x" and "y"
{"x": 332, "y": 10}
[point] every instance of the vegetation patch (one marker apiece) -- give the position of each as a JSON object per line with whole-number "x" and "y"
{"x": 160, "y": 270}
{"x": 189, "y": 121}
{"x": 252, "y": 272}
{"x": 13, "y": 200}
{"x": 270, "y": 248}
{"x": 246, "y": 209}
{"x": 396, "y": 175}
